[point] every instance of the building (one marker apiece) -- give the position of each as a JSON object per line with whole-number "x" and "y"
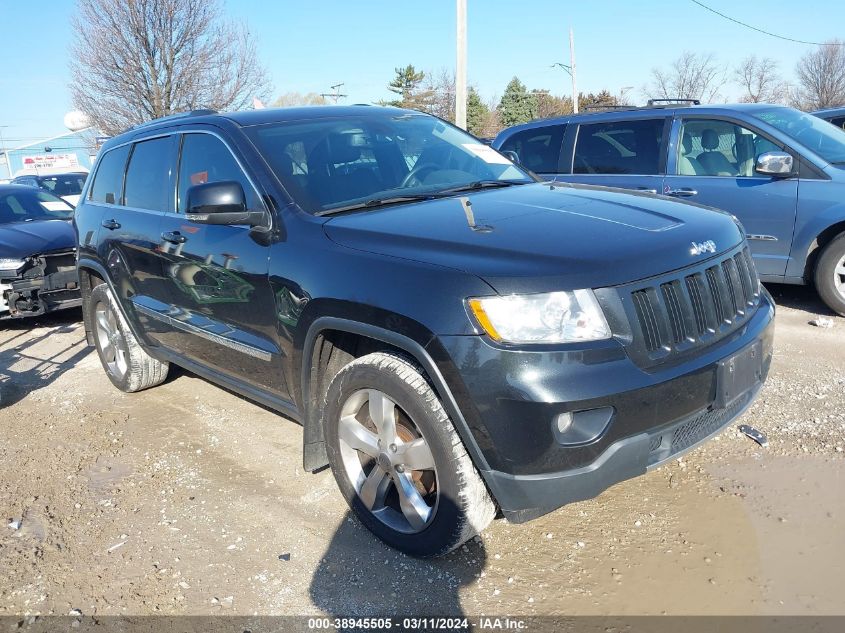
{"x": 73, "y": 151}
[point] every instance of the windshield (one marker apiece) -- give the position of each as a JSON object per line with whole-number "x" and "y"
{"x": 27, "y": 205}
{"x": 338, "y": 163}
{"x": 814, "y": 133}
{"x": 63, "y": 185}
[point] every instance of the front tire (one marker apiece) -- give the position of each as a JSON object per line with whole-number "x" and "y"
{"x": 830, "y": 275}
{"x": 398, "y": 460}
{"x": 125, "y": 362}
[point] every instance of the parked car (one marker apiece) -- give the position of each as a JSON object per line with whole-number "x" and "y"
{"x": 832, "y": 115}
{"x": 66, "y": 186}
{"x": 37, "y": 253}
{"x": 453, "y": 335}
{"x": 780, "y": 171}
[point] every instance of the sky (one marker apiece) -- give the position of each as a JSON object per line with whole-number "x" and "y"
{"x": 308, "y": 46}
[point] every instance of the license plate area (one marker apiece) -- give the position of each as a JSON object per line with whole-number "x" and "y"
{"x": 738, "y": 374}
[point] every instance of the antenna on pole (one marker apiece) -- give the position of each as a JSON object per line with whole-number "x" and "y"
{"x": 336, "y": 94}
{"x": 461, "y": 66}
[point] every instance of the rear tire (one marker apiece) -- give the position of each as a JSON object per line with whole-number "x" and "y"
{"x": 125, "y": 362}
{"x": 398, "y": 460}
{"x": 830, "y": 275}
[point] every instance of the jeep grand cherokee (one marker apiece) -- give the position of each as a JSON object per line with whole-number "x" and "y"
{"x": 454, "y": 336}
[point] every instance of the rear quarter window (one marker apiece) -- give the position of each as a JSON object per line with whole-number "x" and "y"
{"x": 108, "y": 181}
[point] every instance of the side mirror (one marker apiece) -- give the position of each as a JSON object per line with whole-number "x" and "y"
{"x": 513, "y": 156}
{"x": 774, "y": 164}
{"x": 221, "y": 203}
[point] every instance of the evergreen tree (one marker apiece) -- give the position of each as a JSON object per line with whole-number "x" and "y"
{"x": 517, "y": 104}
{"x": 477, "y": 113}
{"x": 408, "y": 85}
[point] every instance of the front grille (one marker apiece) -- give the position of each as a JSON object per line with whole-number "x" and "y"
{"x": 692, "y": 308}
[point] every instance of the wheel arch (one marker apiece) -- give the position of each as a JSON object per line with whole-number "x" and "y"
{"x": 321, "y": 331}
{"x": 826, "y": 236}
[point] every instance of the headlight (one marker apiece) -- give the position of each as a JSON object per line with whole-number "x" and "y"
{"x": 7, "y": 263}
{"x": 554, "y": 317}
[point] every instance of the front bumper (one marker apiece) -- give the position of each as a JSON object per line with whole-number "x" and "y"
{"x": 510, "y": 398}
{"x": 46, "y": 283}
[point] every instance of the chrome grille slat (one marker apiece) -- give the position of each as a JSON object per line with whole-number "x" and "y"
{"x": 691, "y": 308}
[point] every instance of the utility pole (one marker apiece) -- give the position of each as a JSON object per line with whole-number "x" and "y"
{"x": 334, "y": 95}
{"x": 461, "y": 66}
{"x": 572, "y": 65}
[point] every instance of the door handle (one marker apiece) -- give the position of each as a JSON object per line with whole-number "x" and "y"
{"x": 111, "y": 225}
{"x": 683, "y": 192}
{"x": 174, "y": 237}
{"x": 647, "y": 189}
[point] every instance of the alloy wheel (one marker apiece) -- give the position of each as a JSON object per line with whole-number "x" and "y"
{"x": 112, "y": 342}
{"x": 388, "y": 461}
{"x": 839, "y": 276}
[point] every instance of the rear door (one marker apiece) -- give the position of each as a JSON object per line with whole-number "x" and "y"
{"x": 712, "y": 161}
{"x": 134, "y": 204}
{"x": 220, "y": 301}
{"x": 627, "y": 152}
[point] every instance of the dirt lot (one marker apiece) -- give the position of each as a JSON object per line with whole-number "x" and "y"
{"x": 186, "y": 499}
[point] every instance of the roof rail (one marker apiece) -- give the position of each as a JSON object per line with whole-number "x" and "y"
{"x": 607, "y": 106}
{"x": 652, "y": 102}
{"x": 178, "y": 115}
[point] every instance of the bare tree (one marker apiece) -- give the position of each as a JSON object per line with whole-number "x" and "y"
{"x": 691, "y": 76}
{"x": 760, "y": 80}
{"x": 821, "y": 77}
{"x": 441, "y": 88}
{"x": 136, "y": 60}
{"x": 299, "y": 99}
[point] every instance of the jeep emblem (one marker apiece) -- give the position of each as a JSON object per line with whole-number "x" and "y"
{"x": 703, "y": 247}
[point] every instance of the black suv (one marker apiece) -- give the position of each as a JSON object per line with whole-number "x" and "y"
{"x": 454, "y": 336}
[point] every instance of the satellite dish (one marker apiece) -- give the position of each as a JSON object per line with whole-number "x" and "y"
{"x": 76, "y": 120}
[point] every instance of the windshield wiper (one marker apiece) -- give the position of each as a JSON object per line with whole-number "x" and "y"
{"x": 374, "y": 203}
{"x": 481, "y": 184}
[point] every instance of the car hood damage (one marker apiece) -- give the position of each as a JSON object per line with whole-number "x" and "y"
{"x": 22, "y": 239}
{"x": 541, "y": 237}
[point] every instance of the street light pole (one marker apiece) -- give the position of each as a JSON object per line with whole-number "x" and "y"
{"x": 4, "y": 152}
{"x": 572, "y": 66}
{"x": 461, "y": 66}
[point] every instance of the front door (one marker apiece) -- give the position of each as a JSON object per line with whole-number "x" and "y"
{"x": 712, "y": 163}
{"x": 222, "y": 308}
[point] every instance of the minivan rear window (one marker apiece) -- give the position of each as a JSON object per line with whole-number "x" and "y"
{"x": 538, "y": 148}
{"x": 108, "y": 181}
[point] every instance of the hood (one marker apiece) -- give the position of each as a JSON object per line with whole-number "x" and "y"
{"x": 22, "y": 239}
{"x": 536, "y": 238}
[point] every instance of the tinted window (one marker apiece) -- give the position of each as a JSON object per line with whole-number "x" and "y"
{"x": 538, "y": 148}
{"x": 108, "y": 181}
{"x": 719, "y": 148}
{"x": 620, "y": 147}
{"x": 838, "y": 121}
{"x": 148, "y": 178}
{"x": 824, "y": 139}
{"x": 205, "y": 158}
{"x": 27, "y": 205}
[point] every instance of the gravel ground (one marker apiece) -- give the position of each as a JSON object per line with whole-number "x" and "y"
{"x": 186, "y": 499}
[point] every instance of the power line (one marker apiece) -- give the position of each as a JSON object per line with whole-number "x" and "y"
{"x": 754, "y": 28}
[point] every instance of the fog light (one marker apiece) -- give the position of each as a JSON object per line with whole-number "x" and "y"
{"x": 563, "y": 422}
{"x": 581, "y": 427}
